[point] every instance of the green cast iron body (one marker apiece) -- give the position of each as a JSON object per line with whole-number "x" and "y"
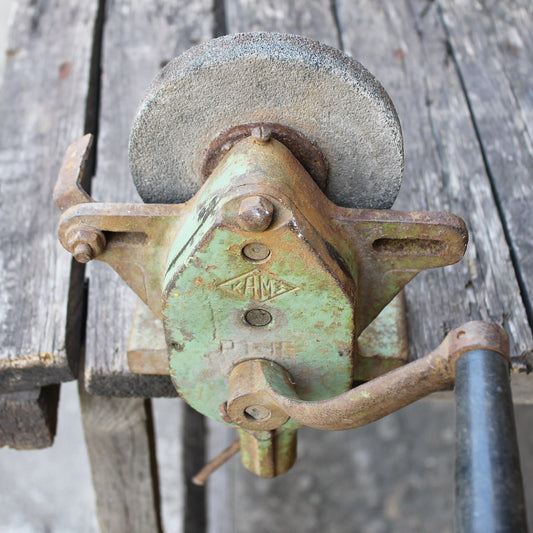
{"x": 210, "y": 285}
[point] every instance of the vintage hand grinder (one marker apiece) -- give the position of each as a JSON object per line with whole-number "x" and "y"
{"x": 268, "y": 163}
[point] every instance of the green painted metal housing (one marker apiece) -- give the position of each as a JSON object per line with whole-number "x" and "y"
{"x": 210, "y": 286}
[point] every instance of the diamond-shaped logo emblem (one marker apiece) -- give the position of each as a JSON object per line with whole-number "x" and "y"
{"x": 258, "y": 286}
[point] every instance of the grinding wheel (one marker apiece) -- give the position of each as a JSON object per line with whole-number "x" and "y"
{"x": 307, "y": 87}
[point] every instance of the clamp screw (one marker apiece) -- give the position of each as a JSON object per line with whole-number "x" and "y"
{"x": 255, "y": 213}
{"x": 261, "y": 134}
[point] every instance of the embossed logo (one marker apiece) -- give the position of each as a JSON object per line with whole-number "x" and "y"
{"x": 258, "y": 286}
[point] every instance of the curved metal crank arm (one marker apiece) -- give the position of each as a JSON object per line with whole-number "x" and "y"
{"x": 272, "y": 388}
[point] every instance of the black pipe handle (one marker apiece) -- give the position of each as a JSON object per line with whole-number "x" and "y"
{"x": 488, "y": 480}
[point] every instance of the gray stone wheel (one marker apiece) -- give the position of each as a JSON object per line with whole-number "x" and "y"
{"x": 314, "y": 89}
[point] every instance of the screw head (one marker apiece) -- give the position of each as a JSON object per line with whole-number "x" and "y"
{"x": 258, "y": 412}
{"x": 255, "y": 213}
{"x": 258, "y": 317}
{"x": 261, "y": 134}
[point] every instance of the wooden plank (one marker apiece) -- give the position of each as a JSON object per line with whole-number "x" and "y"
{"x": 194, "y": 458}
{"x": 119, "y": 437}
{"x": 311, "y": 18}
{"x": 43, "y": 104}
{"x": 28, "y": 419}
{"x": 139, "y": 38}
{"x": 220, "y": 487}
{"x": 492, "y": 47}
{"x": 444, "y": 170}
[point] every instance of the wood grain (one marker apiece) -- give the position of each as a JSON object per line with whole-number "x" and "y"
{"x": 492, "y": 47}
{"x": 28, "y": 419}
{"x": 42, "y": 104}
{"x": 404, "y": 45}
{"x": 119, "y": 441}
{"x": 139, "y": 38}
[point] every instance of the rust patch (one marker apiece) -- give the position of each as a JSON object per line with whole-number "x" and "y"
{"x": 65, "y": 70}
{"x": 309, "y": 156}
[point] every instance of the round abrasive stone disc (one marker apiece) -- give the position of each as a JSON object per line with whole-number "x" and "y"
{"x": 312, "y": 88}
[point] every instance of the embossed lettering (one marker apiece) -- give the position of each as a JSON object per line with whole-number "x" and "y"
{"x": 258, "y": 286}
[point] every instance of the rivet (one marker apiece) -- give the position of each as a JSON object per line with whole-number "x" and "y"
{"x": 261, "y": 134}
{"x": 256, "y": 251}
{"x": 258, "y": 317}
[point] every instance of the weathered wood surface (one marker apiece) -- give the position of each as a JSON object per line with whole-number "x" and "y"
{"x": 28, "y": 419}
{"x": 43, "y": 103}
{"x": 139, "y": 38}
{"x": 119, "y": 437}
{"x": 444, "y": 169}
{"x": 492, "y": 46}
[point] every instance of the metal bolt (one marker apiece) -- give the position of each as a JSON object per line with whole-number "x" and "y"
{"x": 86, "y": 243}
{"x": 83, "y": 253}
{"x": 255, "y": 213}
{"x": 258, "y": 317}
{"x": 256, "y": 251}
{"x": 261, "y": 134}
{"x": 258, "y": 412}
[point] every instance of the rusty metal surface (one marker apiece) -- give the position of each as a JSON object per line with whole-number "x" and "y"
{"x": 368, "y": 254}
{"x": 268, "y": 453}
{"x": 68, "y": 190}
{"x": 224, "y": 456}
{"x": 388, "y": 393}
{"x": 309, "y": 156}
{"x": 138, "y": 238}
{"x": 383, "y": 345}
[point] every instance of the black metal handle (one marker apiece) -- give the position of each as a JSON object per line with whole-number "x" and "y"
{"x": 488, "y": 479}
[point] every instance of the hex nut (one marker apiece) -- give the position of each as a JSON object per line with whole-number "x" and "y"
{"x": 85, "y": 243}
{"x": 255, "y": 213}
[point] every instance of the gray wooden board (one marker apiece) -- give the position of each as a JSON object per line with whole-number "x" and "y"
{"x": 492, "y": 45}
{"x": 28, "y": 419}
{"x": 139, "y": 38}
{"x": 42, "y": 104}
{"x": 122, "y": 455}
{"x": 404, "y": 45}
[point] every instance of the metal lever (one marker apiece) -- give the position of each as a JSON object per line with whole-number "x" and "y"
{"x": 271, "y": 391}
